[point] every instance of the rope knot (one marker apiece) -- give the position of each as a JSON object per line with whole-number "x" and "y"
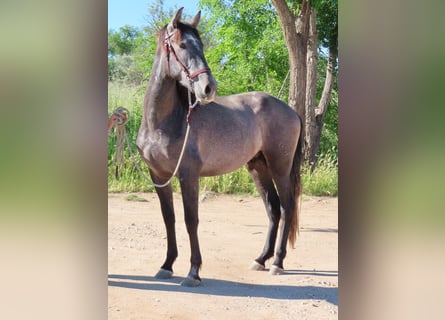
{"x": 118, "y": 120}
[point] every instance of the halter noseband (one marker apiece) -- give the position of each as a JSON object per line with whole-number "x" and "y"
{"x": 169, "y": 48}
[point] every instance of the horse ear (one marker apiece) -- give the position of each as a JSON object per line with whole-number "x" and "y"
{"x": 196, "y": 19}
{"x": 174, "y": 22}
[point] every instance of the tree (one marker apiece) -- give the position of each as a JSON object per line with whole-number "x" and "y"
{"x": 123, "y": 41}
{"x": 300, "y": 29}
{"x": 246, "y": 50}
{"x": 122, "y": 45}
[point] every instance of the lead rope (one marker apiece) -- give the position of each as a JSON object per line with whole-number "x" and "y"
{"x": 119, "y": 125}
{"x": 118, "y": 120}
{"x": 187, "y": 132}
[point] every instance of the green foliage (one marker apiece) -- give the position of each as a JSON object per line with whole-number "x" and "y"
{"x": 329, "y": 134}
{"x": 122, "y": 42}
{"x": 123, "y": 68}
{"x": 327, "y": 22}
{"x": 122, "y": 46}
{"x": 247, "y": 51}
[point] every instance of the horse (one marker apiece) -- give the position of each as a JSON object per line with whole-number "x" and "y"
{"x": 226, "y": 132}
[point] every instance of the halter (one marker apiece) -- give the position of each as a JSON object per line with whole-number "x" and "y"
{"x": 169, "y": 48}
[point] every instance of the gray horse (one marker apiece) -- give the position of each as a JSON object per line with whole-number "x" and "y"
{"x": 225, "y": 133}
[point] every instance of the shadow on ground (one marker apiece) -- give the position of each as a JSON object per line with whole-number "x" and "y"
{"x": 230, "y": 288}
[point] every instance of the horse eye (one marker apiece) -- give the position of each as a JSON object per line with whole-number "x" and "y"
{"x": 182, "y": 45}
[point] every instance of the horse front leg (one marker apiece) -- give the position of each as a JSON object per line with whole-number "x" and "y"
{"x": 190, "y": 192}
{"x": 165, "y": 196}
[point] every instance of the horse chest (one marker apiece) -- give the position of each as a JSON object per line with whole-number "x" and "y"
{"x": 156, "y": 149}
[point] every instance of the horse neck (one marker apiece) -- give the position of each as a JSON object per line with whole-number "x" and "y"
{"x": 161, "y": 98}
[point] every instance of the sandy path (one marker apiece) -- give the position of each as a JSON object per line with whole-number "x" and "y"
{"x": 232, "y": 232}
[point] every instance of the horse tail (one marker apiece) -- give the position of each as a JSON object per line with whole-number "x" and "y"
{"x": 296, "y": 185}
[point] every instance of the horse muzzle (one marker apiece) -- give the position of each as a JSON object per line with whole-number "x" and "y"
{"x": 205, "y": 88}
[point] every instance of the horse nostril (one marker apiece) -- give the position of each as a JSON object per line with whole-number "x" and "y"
{"x": 207, "y": 90}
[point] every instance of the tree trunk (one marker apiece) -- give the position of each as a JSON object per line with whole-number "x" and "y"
{"x": 323, "y": 105}
{"x": 300, "y": 34}
{"x": 311, "y": 85}
{"x": 295, "y": 28}
{"x": 297, "y": 89}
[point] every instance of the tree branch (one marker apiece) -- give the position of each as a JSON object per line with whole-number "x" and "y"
{"x": 286, "y": 17}
{"x": 328, "y": 84}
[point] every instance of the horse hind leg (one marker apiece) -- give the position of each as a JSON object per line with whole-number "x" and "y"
{"x": 261, "y": 175}
{"x": 287, "y": 210}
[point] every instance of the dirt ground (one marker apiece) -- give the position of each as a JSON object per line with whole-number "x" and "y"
{"x": 232, "y": 232}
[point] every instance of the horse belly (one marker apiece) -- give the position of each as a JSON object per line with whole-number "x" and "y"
{"x": 226, "y": 155}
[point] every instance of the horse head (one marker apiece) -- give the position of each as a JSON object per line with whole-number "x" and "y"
{"x": 185, "y": 57}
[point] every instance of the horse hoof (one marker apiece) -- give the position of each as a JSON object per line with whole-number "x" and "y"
{"x": 256, "y": 266}
{"x": 275, "y": 270}
{"x": 164, "y": 274}
{"x": 190, "y": 282}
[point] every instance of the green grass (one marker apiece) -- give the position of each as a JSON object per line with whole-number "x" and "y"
{"x": 322, "y": 182}
{"x": 130, "y": 97}
{"x": 237, "y": 182}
